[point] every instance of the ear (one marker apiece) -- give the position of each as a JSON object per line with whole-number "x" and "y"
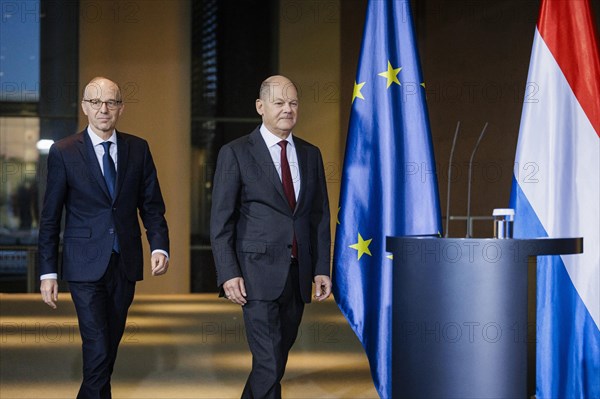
{"x": 83, "y": 108}
{"x": 259, "y": 107}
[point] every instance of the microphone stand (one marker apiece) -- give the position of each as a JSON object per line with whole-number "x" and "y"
{"x": 450, "y": 179}
{"x": 469, "y": 182}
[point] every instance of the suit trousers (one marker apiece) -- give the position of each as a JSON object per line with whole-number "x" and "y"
{"x": 102, "y": 308}
{"x": 271, "y": 330}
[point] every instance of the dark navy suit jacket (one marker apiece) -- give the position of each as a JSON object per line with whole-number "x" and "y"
{"x": 75, "y": 181}
{"x": 252, "y": 226}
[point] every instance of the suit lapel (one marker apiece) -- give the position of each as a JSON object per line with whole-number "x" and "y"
{"x": 89, "y": 155}
{"x": 122, "y": 157}
{"x": 302, "y": 155}
{"x": 262, "y": 156}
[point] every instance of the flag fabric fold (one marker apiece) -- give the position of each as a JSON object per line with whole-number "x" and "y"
{"x": 556, "y": 193}
{"x": 389, "y": 181}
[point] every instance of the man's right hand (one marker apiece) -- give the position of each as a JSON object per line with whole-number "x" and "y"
{"x": 235, "y": 290}
{"x": 49, "y": 290}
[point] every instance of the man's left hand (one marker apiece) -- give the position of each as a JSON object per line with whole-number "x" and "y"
{"x": 159, "y": 263}
{"x": 322, "y": 287}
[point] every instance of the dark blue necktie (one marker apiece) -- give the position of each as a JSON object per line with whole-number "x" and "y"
{"x": 110, "y": 176}
{"x": 110, "y": 173}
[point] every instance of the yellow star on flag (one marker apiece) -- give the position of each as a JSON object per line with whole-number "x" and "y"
{"x": 357, "y": 93}
{"x": 391, "y": 75}
{"x": 362, "y": 246}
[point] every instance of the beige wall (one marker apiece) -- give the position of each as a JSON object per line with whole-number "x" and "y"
{"x": 145, "y": 46}
{"x": 309, "y": 54}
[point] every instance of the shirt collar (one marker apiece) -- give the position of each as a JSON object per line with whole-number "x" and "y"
{"x": 271, "y": 139}
{"x": 97, "y": 140}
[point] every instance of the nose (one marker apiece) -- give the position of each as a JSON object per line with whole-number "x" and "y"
{"x": 104, "y": 108}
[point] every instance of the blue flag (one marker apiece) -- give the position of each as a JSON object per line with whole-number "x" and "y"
{"x": 389, "y": 181}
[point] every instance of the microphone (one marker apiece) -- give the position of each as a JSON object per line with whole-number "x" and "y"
{"x": 450, "y": 179}
{"x": 469, "y": 182}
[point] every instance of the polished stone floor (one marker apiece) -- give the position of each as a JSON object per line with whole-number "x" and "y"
{"x": 175, "y": 347}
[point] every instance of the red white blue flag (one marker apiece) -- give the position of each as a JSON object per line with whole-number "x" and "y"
{"x": 556, "y": 193}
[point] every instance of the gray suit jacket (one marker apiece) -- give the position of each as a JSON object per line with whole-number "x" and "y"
{"x": 252, "y": 225}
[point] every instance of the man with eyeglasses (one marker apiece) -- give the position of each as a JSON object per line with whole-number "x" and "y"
{"x": 102, "y": 178}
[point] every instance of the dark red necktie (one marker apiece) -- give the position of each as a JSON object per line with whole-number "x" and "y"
{"x": 288, "y": 187}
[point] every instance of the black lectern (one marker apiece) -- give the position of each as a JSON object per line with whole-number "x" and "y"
{"x": 459, "y": 315}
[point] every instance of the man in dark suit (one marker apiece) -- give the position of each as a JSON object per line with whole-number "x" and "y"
{"x": 102, "y": 178}
{"x": 270, "y": 232}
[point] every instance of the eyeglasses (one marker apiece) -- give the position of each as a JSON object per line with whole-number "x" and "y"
{"x": 110, "y": 104}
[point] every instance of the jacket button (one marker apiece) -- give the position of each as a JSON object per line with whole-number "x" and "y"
{"x": 289, "y": 246}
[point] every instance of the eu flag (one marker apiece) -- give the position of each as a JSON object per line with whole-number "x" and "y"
{"x": 389, "y": 181}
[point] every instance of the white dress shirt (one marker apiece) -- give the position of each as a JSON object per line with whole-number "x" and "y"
{"x": 275, "y": 150}
{"x": 99, "y": 149}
